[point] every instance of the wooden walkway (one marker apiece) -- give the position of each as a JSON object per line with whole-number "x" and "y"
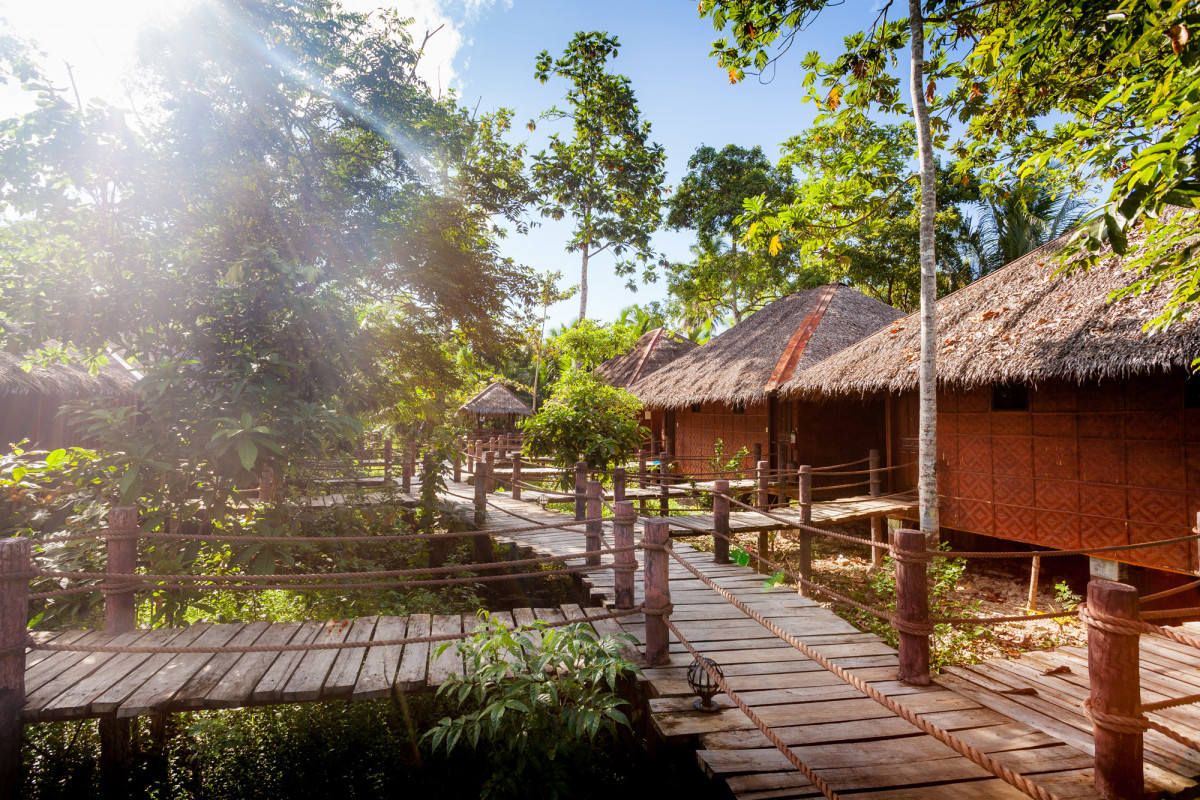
{"x": 859, "y": 747}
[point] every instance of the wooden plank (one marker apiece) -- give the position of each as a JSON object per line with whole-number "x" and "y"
{"x": 852, "y": 731}
{"x": 346, "y": 664}
{"x": 236, "y": 687}
{"x": 381, "y": 663}
{"x": 155, "y": 693}
{"x": 60, "y": 661}
{"x": 414, "y": 663}
{"x": 993, "y": 789}
{"x": 308, "y": 679}
{"x": 449, "y": 661}
{"x": 35, "y": 657}
{"x": 108, "y": 701}
{"x": 269, "y": 688}
{"x": 214, "y": 670}
{"x": 65, "y": 685}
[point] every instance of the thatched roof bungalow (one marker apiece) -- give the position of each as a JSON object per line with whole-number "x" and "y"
{"x": 1061, "y": 422}
{"x": 30, "y": 399}
{"x": 725, "y": 389}
{"x": 652, "y": 351}
{"x": 495, "y": 409}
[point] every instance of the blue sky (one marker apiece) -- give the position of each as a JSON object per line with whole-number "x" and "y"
{"x": 486, "y": 50}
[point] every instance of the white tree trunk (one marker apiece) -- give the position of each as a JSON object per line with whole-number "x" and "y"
{"x": 927, "y": 457}
{"x": 583, "y": 286}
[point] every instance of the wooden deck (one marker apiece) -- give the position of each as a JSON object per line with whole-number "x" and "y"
{"x": 832, "y": 512}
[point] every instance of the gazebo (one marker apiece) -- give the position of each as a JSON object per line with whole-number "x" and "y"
{"x": 495, "y": 410}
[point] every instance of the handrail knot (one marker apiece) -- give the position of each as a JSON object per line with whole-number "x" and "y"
{"x": 1117, "y": 723}
{"x": 661, "y": 611}
{"x": 1110, "y": 624}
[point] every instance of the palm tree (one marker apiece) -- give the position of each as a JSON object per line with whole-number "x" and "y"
{"x": 1024, "y": 217}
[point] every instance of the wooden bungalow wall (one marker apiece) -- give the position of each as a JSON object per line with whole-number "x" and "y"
{"x": 697, "y": 432}
{"x": 1107, "y": 463}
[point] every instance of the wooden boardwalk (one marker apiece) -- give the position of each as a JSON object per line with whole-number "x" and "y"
{"x": 859, "y": 747}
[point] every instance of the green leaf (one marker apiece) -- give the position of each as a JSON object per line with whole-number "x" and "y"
{"x": 248, "y": 453}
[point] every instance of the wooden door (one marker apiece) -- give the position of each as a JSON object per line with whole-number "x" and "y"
{"x": 905, "y": 444}
{"x": 783, "y": 432}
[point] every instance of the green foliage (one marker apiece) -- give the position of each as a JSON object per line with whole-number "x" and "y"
{"x": 719, "y": 463}
{"x": 532, "y": 698}
{"x": 586, "y": 420}
{"x": 586, "y": 344}
{"x": 1020, "y": 218}
{"x": 608, "y": 176}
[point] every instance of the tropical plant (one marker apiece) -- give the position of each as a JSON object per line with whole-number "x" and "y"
{"x": 608, "y": 176}
{"x": 1022, "y": 218}
{"x": 532, "y": 698}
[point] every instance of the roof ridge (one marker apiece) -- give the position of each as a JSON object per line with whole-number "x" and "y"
{"x": 653, "y": 343}
{"x": 799, "y": 341}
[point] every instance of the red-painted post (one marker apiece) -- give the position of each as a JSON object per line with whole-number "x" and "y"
{"x": 594, "y": 528}
{"x": 516, "y": 475}
{"x": 626, "y": 566}
{"x": 618, "y": 476}
{"x": 581, "y": 478}
{"x": 912, "y": 607}
{"x": 721, "y": 521}
{"x": 14, "y": 615}
{"x": 664, "y": 484}
{"x": 657, "y": 590}
{"x": 804, "y": 485}
{"x": 1114, "y": 676}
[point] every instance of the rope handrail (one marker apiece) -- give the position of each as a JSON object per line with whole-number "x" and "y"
{"x": 1015, "y": 779}
{"x": 288, "y": 648}
{"x": 1168, "y": 592}
{"x": 828, "y": 467}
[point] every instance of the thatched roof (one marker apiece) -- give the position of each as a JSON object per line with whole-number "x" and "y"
{"x": 494, "y": 400}
{"x": 1019, "y": 324}
{"x": 653, "y": 350}
{"x": 64, "y": 380}
{"x": 746, "y": 361}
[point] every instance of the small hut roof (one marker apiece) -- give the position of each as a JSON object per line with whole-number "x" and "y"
{"x": 743, "y": 363}
{"x": 1019, "y": 324}
{"x": 653, "y": 350}
{"x": 64, "y": 380}
{"x": 494, "y": 400}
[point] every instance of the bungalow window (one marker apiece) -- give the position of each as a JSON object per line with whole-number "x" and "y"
{"x": 1191, "y": 391}
{"x": 696, "y": 408}
{"x": 1010, "y": 397}
{"x": 739, "y": 407}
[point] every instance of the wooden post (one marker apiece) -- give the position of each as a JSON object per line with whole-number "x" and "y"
{"x": 764, "y": 487}
{"x": 664, "y": 484}
{"x": 266, "y": 485}
{"x": 618, "y": 476}
{"x": 912, "y": 606}
{"x": 657, "y": 591}
{"x": 457, "y": 465}
{"x": 489, "y": 463}
{"x": 481, "y": 482}
{"x": 121, "y": 540}
{"x": 721, "y": 521}
{"x": 804, "y": 515}
{"x": 594, "y": 527}
{"x": 643, "y": 457}
{"x": 478, "y": 453}
{"x": 762, "y": 472}
{"x": 878, "y": 524}
{"x": 516, "y": 475}
{"x": 580, "y": 490}
{"x": 1034, "y": 569}
{"x": 755, "y": 455}
{"x": 482, "y": 545}
{"x": 1115, "y": 680}
{"x": 387, "y": 460}
{"x": 875, "y": 481}
{"x": 626, "y": 562}
{"x": 407, "y": 468}
{"x": 14, "y": 614}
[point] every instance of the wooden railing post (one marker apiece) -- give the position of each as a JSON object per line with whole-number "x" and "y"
{"x": 876, "y": 475}
{"x": 481, "y": 481}
{"x": 266, "y": 485}
{"x": 457, "y": 465}
{"x": 121, "y": 539}
{"x": 618, "y": 476}
{"x": 580, "y": 489}
{"x": 721, "y": 521}
{"x": 387, "y": 460}
{"x": 1114, "y": 678}
{"x": 407, "y": 467}
{"x": 623, "y": 519}
{"x": 878, "y": 524}
{"x": 804, "y": 515}
{"x": 755, "y": 455}
{"x": 478, "y": 452}
{"x": 762, "y": 473}
{"x": 664, "y": 484}
{"x": 516, "y": 475}
{"x": 657, "y": 591}
{"x": 761, "y": 469}
{"x": 912, "y": 607}
{"x": 643, "y": 457}
{"x": 14, "y": 615}
{"x": 489, "y": 463}
{"x": 594, "y": 527}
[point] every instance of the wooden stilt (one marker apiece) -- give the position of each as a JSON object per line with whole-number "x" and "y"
{"x": 912, "y": 607}
{"x": 14, "y": 614}
{"x": 516, "y": 475}
{"x": 657, "y": 591}
{"x": 1034, "y": 570}
{"x": 721, "y": 521}
{"x": 120, "y": 616}
{"x": 489, "y": 463}
{"x": 482, "y": 544}
{"x": 618, "y": 476}
{"x": 623, "y": 520}
{"x": 594, "y": 527}
{"x": 804, "y": 483}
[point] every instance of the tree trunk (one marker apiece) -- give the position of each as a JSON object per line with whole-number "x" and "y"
{"x": 927, "y": 456}
{"x": 583, "y": 286}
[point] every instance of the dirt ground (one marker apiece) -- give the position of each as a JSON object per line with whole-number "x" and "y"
{"x": 999, "y": 586}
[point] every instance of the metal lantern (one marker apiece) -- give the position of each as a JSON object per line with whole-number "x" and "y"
{"x": 701, "y": 682}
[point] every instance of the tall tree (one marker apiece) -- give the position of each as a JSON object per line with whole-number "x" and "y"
{"x": 1021, "y": 217}
{"x": 608, "y": 175}
{"x": 723, "y": 280}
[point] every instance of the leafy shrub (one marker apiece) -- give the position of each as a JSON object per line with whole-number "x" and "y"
{"x": 533, "y": 703}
